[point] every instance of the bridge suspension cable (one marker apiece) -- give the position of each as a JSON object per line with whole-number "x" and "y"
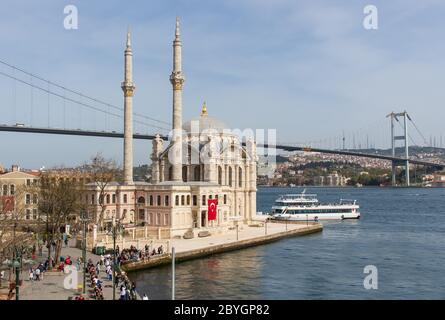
{"x": 417, "y": 129}
{"x": 75, "y": 101}
{"x": 79, "y": 94}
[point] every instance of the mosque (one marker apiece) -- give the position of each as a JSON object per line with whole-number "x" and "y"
{"x": 203, "y": 179}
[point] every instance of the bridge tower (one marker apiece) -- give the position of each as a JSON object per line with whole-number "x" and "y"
{"x": 395, "y": 117}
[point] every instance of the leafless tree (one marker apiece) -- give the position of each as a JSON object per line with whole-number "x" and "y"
{"x": 102, "y": 173}
{"x": 59, "y": 198}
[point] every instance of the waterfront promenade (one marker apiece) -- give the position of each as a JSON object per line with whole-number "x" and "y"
{"x": 51, "y": 287}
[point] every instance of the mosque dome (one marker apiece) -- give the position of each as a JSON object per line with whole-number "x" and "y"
{"x": 204, "y": 122}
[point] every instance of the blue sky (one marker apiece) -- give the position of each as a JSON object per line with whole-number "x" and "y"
{"x": 307, "y": 68}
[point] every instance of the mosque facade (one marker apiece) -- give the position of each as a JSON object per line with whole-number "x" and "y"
{"x": 203, "y": 178}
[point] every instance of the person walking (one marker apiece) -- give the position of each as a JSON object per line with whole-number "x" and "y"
{"x": 123, "y": 294}
{"x": 37, "y": 274}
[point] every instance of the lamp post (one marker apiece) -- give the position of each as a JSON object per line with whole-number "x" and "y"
{"x": 173, "y": 272}
{"x": 16, "y": 265}
{"x": 237, "y": 237}
{"x": 84, "y": 221}
{"x": 116, "y": 227}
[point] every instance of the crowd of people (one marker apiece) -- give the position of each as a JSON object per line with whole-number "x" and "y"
{"x": 133, "y": 254}
{"x": 124, "y": 286}
{"x": 95, "y": 282}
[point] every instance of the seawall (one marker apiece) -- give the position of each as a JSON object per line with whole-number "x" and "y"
{"x": 220, "y": 248}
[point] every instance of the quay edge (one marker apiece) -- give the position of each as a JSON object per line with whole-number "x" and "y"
{"x": 220, "y": 248}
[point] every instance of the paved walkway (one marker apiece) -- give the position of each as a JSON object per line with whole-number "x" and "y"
{"x": 244, "y": 233}
{"x": 52, "y": 285}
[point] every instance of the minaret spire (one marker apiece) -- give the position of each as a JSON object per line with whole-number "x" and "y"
{"x": 177, "y": 81}
{"x": 177, "y": 33}
{"x": 129, "y": 38}
{"x": 128, "y": 89}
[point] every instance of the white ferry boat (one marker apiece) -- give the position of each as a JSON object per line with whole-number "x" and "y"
{"x": 305, "y": 207}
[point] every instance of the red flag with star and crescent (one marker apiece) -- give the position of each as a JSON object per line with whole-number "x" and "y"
{"x": 211, "y": 209}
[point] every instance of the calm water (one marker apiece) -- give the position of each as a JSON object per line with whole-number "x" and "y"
{"x": 401, "y": 232}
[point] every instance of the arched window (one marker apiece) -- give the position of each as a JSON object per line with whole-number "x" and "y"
{"x": 182, "y": 200}
{"x": 240, "y": 177}
{"x": 184, "y": 173}
{"x": 125, "y": 198}
{"x": 177, "y": 201}
{"x": 166, "y": 201}
{"x": 158, "y": 202}
{"x": 12, "y": 190}
{"x": 108, "y": 198}
{"x": 197, "y": 173}
{"x": 230, "y": 176}
{"x": 204, "y": 200}
{"x": 188, "y": 200}
{"x": 225, "y": 198}
{"x": 151, "y": 200}
{"x": 219, "y": 175}
{"x": 141, "y": 200}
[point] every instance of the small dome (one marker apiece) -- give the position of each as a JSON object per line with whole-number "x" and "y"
{"x": 204, "y": 122}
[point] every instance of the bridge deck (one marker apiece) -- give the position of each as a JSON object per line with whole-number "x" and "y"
{"x": 114, "y": 134}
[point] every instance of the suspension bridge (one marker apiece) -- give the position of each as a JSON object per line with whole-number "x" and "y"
{"x": 58, "y": 100}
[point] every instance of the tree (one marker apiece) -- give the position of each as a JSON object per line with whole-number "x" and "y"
{"x": 59, "y": 197}
{"x": 102, "y": 172}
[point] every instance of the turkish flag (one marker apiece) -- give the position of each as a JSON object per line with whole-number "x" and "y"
{"x": 7, "y": 203}
{"x": 211, "y": 209}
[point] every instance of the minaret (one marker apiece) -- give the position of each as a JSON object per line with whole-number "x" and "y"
{"x": 177, "y": 80}
{"x": 128, "y": 88}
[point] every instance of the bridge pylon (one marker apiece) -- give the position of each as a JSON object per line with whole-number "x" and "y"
{"x": 395, "y": 117}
